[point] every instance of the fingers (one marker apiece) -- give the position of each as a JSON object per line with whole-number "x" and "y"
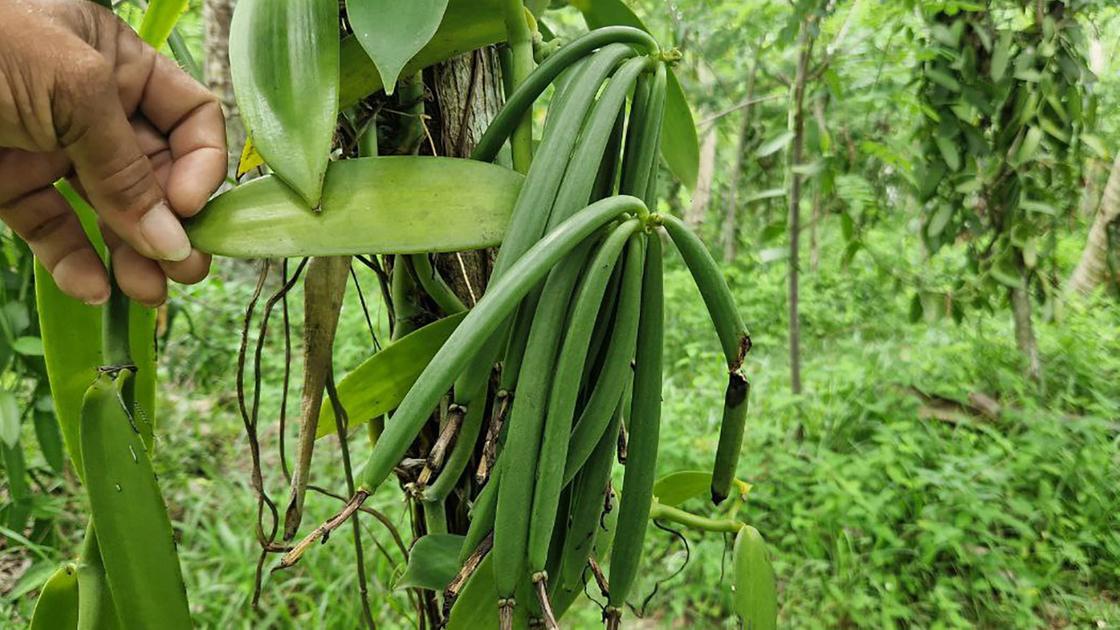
{"x": 192, "y": 119}
{"x": 116, "y": 175}
{"x": 190, "y": 271}
{"x": 140, "y": 277}
{"x": 44, "y": 219}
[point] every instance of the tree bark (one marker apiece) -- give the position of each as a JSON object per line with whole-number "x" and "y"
{"x": 797, "y": 125}
{"x": 729, "y": 233}
{"x": 1093, "y": 266}
{"x": 814, "y": 249}
{"x": 1024, "y": 329}
{"x": 701, "y": 198}
{"x": 468, "y": 94}
{"x": 216, "y": 15}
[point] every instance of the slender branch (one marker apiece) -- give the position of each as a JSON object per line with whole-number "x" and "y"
{"x": 659, "y": 512}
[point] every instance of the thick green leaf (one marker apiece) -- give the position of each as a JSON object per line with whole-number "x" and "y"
{"x": 379, "y": 384}
{"x": 775, "y": 144}
{"x": 432, "y": 563}
{"x": 676, "y": 488}
{"x": 400, "y": 205}
{"x": 57, "y": 606}
{"x": 466, "y": 26}
{"x": 284, "y": 60}
{"x": 679, "y": 144}
{"x": 755, "y": 593}
{"x": 71, "y": 334}
{"x": 9, "y": 418}
{"x": 160, "y": 19}
{"x": 392, "y": 32}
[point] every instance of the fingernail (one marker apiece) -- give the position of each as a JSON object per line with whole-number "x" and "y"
{"x": 164, "y": 234}
{"x": 100, "y": 300}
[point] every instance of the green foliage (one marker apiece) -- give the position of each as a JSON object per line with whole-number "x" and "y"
{"x": 392, "y": 33}
{"x": 284, "y": 62}
{"x": 1005, "y": 99}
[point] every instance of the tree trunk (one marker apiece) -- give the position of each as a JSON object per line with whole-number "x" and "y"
{"x": 1091, "y": 270}
{"x": 216, "y": 15}
{"x": 814, "y": 246}
{"x": 468, "y": 94}
{"x": 729, "y": 234}
{"x": 797, "y": 125}
{"x": 701, "y": 198}
{"x": 1024, "y": 329}
{"x": 814, "y": 249}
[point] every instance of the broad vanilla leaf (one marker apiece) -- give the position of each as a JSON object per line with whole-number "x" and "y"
{"x": 284, "y": 60}
{"x": 378, "y": 385}
{"x": 397, "y": 205}
{"x": 755, "y": 593}
{"x": 392, "y": 32}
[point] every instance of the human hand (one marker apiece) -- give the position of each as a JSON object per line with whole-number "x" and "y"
{"x": 82, "y": 97}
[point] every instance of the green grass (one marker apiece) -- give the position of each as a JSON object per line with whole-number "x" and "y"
{"x": 880, "y": 517}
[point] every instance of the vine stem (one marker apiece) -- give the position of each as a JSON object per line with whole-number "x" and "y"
{"x": 520, "y": 40}
{"x": 114, "y": 327}
{"x": 659, "y": 512}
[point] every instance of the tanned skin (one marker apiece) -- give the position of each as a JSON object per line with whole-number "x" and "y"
{"x": 83, "y": 98}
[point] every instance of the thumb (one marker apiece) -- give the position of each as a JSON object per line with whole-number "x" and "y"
{"x": 117, "y": 176}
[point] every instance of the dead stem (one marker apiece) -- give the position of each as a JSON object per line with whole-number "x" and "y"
{"x": 377, "y": 514}
{"x": 623, "y": 442}
{"x": 505, "y": 613}
{"x": 540, "y": 583}
{"x": 490, "y": 445}
{"x": 469, "y": 567}
{"x": 323, "y": 532}
{"x": 436, "y": 456}
{"x": 600, "y": 577}
{"x": 613, "y": 617}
